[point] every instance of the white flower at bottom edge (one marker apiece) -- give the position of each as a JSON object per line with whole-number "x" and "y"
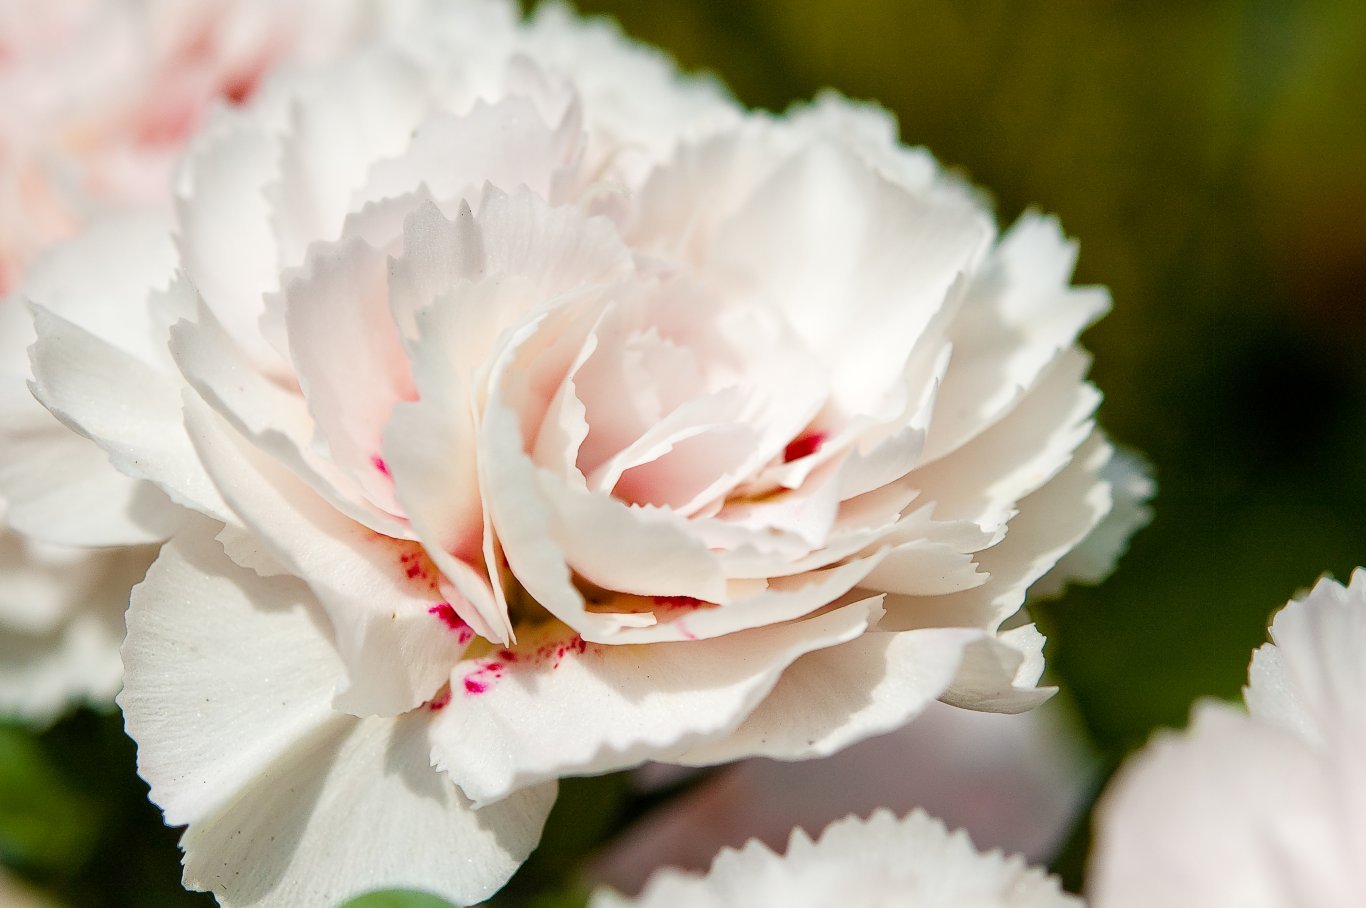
{"x": 881, "y": 862}
{"x": 1257, "y": 809}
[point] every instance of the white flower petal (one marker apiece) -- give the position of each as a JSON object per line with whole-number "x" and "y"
{"x": 124, "y": 405}
{"x": 380, "y": 593}
{"x": 348, "y": 359}
{"x": 561, "y": 707}
{"x": 506, "y": 144}
{"x": 1020, "y": 314}
{"x": 101, "y": 280}
{"x": 367, "y": 110}
{"x": 1001, "y": 674}
{"x": 1091, "y": 561}
{"x": 985, "y": 479}
{"x": 274, "y": 418}
{"x": 288, "y": 801}
{"x": 61, "y": 488}
{"x": 1049, "y": 523}
{"x": 222, "y": 206}
{"x": 812, "y": 234}
{"x": 835, "y": 697}
{"x": 1310, "y": 680}
{"x": 1232, "y": 813}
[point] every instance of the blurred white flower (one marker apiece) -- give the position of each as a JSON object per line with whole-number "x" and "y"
{"x": 100, "y": 99}
{"x": 1263, "y": 809}
{"x": 101, "y": 96}
{"x": 1017, "y": 783}
{"x": 601, "y": 422}
{"x": 881, "y": 862}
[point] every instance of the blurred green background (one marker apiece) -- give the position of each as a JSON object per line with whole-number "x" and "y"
{"x": 1209, "y": 156}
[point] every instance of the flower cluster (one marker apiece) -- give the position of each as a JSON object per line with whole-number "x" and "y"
{"x": 519, "y": 408}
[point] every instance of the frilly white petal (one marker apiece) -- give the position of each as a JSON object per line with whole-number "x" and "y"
{"x": 1311, "y": 679}
{"x": 126, "y": 406}
{"x": 289, "y": 802}
{"x": 380, "y": 593}
{"x": 557, "y": 706}
{"x": 880, "y": 862}
{"x": 1130, "y": 478}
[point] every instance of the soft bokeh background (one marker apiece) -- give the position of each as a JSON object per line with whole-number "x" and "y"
{"x": 1209, "y": 157}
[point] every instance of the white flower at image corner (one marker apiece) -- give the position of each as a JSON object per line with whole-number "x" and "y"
{"x": 100, "y": 99}
{"x": 557, "y": 414}
{"x": 881, "y": 862}
{"x": 1259, "y": 809}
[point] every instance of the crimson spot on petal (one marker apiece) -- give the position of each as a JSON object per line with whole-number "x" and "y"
{"x": 804, "y": 446}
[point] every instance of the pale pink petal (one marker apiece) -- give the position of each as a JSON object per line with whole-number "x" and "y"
{"x": 367, "y": 111}
{"x": 348, "y": 359}
{"x": 505, "y": 143}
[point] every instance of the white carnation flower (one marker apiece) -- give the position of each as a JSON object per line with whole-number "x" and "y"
{"x": 1259, "y": 809}
{"x": 881, "y": 862}
{"x": 558, "y": 415}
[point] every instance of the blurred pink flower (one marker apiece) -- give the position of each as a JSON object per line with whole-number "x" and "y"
{"x": 101, "y": 97}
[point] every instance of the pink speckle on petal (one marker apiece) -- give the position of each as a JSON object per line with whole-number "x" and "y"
{"x": 378, "y": 463}
{"x": 474, "y": 686}
{"x": 804, "y": 446}
{"x": 678, "y": 601}
{"x": 453, "y": 621}
{"x": 441, "y": 700}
